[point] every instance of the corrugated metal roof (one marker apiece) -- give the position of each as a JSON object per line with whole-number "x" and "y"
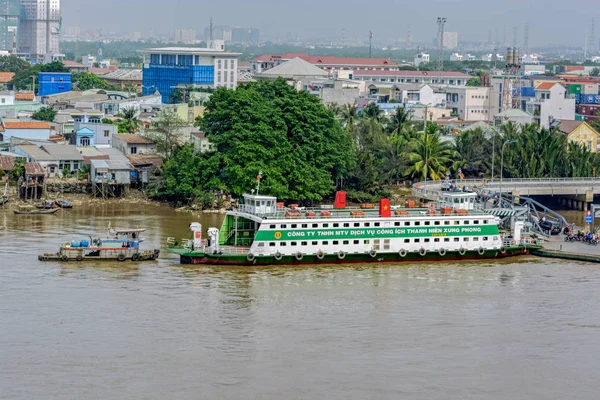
{"x": 63, "y": 152}
{"x": 33, "y": 168}
{"x": 99, "y": 164}
{"x": 7, "y": 163}
{"x": 133, "y": 139}
{"x": 35, "y": 152}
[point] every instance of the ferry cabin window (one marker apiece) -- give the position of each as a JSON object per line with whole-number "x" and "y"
{"x": 315, "y": 243}
{"x": 386, "y": 244}
{"x": 261, "y": 245}
{"x": 417, "y": 223}
{"x": 406, "y": 240}
{"x": 476, "y": 239}
{"x": 294, "y": 226}
{"x": 407, "y": 223}
{"x": 426, "y": 240}
{"x": 436, "y": 222}
{"x": 376, "y": 244}
{"x": 271, "y": 226}
{"x": 396, "y": 223}
{"x": 446, "y": 222}
{"x": 476, "y": 222}
{"x": 465, "y": 239}
{"x": 446, "y": 240}
{"x": 376, "y": 224}
{"x": 367, "y": 224}
{"x": 304, "y": 226}
{"x": 326, "y": 243}
{"x": 336, "y": 225}
{"x": 427, "y": 223}
{"x": 466, "y": 222}
{"x": 283, "y": 226}
{"x": 271, "y": 244}
{"x": 346, "y": 242}
{"x": 336, "y": 242}
{"x": 485, "y": 238}
{"x": 315, "y": 225}
{"x": 283, "y": 244}
{"x": 456, "y": 239}
{"x": 495, "y": 237}
{"x": 417, "y": 240}
{"x": 356, "y": 224}
{"x": 437, "y": 240}
{"x": 485, "y": 221}
{"x": 357, "y": 242}
{"x": 303, "y": 243}
{"x": 294, "y": 244}
{"x": 456, "y": 222}
{"x": 346, "y": 225}
{"x": 325, "y": 225}
{"x": 366, "y": 242}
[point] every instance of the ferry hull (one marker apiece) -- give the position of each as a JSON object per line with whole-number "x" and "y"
{"x": 229, "y": 259}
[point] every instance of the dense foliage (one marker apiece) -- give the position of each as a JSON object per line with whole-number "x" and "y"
{"x": 86, "y": 81}
{"x": 13, "y": 64}
{"x": 23, "y": 79}
{"x": 44, "y": 114}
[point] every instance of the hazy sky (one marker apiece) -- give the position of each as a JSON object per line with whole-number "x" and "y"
{"x": 388, "y": 19}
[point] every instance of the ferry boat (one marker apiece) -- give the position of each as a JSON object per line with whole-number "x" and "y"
{"x": 120, "y": 245}
{"x": 263, "y": 231}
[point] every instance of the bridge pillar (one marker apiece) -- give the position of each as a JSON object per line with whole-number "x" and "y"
{"x": 589, "y": 196}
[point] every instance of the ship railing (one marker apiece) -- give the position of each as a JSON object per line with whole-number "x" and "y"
{"x": 171, "y": 241}
{"x": 234, "y": 250}
{"x": 184, "y": 243}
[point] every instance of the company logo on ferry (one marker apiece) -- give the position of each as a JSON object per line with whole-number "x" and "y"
{"x": 278, "y": 235}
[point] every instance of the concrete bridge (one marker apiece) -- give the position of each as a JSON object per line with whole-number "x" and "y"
{"x": 571, "y": 192}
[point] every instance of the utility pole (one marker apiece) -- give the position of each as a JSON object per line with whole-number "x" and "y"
{"x": 441, "y": 21}
{"x": 370, "y": 44}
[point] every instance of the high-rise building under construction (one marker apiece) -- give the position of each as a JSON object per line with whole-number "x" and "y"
{"x": 10, "y": 11}
{"x": 40, "y": 29}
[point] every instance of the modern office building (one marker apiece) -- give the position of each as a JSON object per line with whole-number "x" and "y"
{"x": 185, "y": 36}
{"x": 40, "y": 30}
{"x": 166, "y": 69}
{"x": 245, "y": 35}
{"x": 10, "y": 11}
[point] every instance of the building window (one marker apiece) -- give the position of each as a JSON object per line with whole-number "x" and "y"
{"x": 219, "y": 77}
{"x": 231, "y": 76}
{"x": 232, "y": 64}
{"x": 133, "y": 150}
{"x": 225, "y": 77}
{"x": 219, "y": 64}
{"x": 106, "y": 133}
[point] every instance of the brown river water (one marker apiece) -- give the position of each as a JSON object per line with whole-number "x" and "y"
{"x": 525, "y": 328}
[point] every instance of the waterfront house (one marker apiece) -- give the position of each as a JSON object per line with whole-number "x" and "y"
{"x": 580, "y": 132}
{"x": 93, "y": 134}
{"x": 28, "y": 130}
{"x": 52, "y": 158}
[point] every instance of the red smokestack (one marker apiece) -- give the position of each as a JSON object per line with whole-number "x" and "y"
{"x": 384, "y": 208}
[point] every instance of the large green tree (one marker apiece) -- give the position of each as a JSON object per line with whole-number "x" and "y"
{"x": 44, "y": 114}
{"x": 88, "y": 81}
{"x": 13, "y": 64}
{"x": 24, "y": 78}
{"x": 287, "y": 134}
{"x": 429, "y": 156}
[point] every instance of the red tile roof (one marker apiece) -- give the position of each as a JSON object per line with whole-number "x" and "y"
{"x": 133, "y": 139}
{"x": 329, "y": 60}
{"x": 25, "y": 96}
{"x": 101, "y": 71}
{"x": 546, "y": 85}
{"x": 26, "y": 125}
{"x": 6, "y": 77}
{"x": 244, "y": 64}
{"x": 72, "y": 64}
{"x": 368, "y": 72}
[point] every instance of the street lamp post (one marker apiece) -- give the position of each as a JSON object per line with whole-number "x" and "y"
{"x": 502, "y": 167}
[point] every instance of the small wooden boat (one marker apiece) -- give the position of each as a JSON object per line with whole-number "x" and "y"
{"x": 31, "y": 210}
{"x": 48, "y": 205}
{"x": 63, "y": 204}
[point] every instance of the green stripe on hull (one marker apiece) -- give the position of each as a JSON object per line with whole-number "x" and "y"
{"x": 376, "y": 233}
{"x": 228, "y": 259}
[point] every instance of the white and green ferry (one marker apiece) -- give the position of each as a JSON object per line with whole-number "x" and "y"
{"x": 262, "y": 232}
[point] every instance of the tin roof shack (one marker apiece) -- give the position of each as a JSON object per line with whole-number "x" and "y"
{"x": 53, "y": 158}
{"x": 133, "y": 144}
{"x": 144, "y": 168}
{"x": 7, "y": 165}
{"x": 31, "y": 184}
{"x": 110, "y": 178}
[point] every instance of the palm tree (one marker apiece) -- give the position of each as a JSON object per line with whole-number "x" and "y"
{"x": 131, "y": 87}
{"x": 348, "y": 115}
{"x": 372, "y": 111}
{"x": 429, "y": 157}
{"x": 335, "y": 108}
{"x": 130, "y": 122}
{"x": 399, "y": 120}
{"x": 579, "y": 160}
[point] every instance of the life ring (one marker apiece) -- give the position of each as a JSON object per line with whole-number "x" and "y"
{"x": 299, "y": 256}
{"x": 480, "y": 251}
{"x": 65, "y": 257}
{"x": 121, "y": 257}
{"x": 135, "y": 257}
{"x": 422, "y": 252}
{"x": 402, "y": 253}
{"x": 341, "y": 255}
{"x": 373, "y": 253}
{"x": 320, "y": 255}
{"x": 503, "y": 250}
{"x": 461, "y": 251}
{"x": 250, "y": 257}
{"x": 442, "y": 252}
{"x": 278, "y": 256}
{"x": 79, "y": 258}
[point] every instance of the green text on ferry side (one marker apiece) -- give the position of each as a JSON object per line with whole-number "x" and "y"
{"x": 349, "y": 233}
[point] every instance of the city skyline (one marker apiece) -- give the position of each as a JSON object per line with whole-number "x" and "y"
{"x": 473, "y": 20}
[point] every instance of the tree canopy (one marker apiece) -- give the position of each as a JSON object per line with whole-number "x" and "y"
{"x": 44, "y": 114}
{"x": 23, "y": 79}
{"x": 88, "y": 81}
{"x": 13, "y": 64}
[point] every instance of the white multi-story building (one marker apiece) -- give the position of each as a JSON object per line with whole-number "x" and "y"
{"x": 185, "y": 36}
{"x": 421, "y": 58}
{"x": 471, "y": 103}
{"x": 40, "y": 30}
{"x": 418, "y": 94}
{"x": 456, "y": 57}
{"x": 449, "y": 78}
{"x": 551, "y": 103}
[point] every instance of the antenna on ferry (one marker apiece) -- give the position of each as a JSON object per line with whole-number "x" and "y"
{"x": 258, "y": 181}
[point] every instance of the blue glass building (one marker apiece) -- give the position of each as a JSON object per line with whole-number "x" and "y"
{"x": 53, "y": 82}
{"x": 168, "y": 68}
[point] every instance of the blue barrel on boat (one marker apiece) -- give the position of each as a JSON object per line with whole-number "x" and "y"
{"x": 85, "y": 243}
{"x": 75, "y": 243}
